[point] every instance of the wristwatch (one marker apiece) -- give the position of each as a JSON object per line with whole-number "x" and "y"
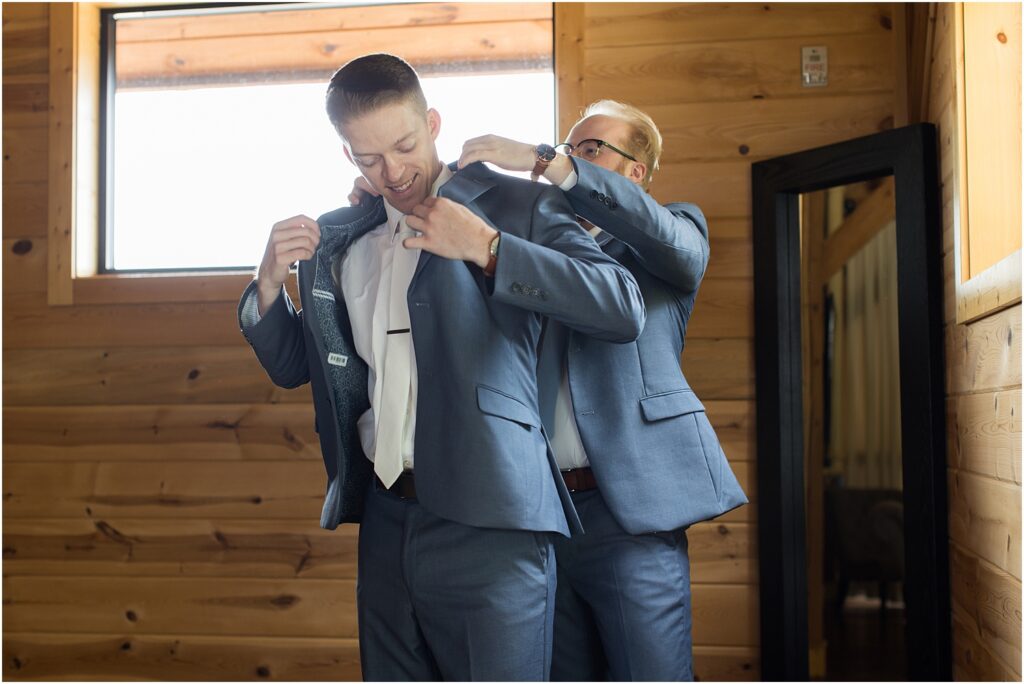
{"x": 492, "y": 260}
{"x": 545, "y": 155}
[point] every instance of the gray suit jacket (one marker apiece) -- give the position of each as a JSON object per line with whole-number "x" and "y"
{"x": 655, "y": 456}
{"x": 482, "y": 458}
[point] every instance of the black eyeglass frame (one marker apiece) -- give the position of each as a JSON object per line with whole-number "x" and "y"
{"x": 600, "y": 143}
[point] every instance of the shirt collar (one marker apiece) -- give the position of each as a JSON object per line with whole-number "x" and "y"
{"x": 394, "y": 215}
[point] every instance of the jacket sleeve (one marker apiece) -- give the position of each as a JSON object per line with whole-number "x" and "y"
{"x": 562, "y": 273}
{"x": 671, "y": 241}
{"x": 276, "y": 337}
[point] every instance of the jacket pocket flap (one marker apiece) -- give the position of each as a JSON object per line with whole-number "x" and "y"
{"x": 502, "y": 405}
{"x": 662, "y": 406}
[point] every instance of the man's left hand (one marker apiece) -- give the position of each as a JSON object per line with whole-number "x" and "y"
{"x": 512, "y": 155}
{"x": 502, "y": 152}
{"x": 450, "y": 230}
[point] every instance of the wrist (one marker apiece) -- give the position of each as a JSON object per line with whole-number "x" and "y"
{"x": 266, "y": 285}
{"x": 266, "y": 295}
{"x": 483, "y": 255}
{"x": 559, "y": 169}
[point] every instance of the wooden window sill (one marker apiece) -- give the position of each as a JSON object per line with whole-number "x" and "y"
{"x": 160, "y": 288}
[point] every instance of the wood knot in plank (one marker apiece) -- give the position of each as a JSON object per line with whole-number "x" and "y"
{"x": 221, "y": 539}
{"x": 107, "y": 530}
{"x": 22, "y": 247}
{"x": 292, "y": 441}
{"x": 284, "y": 600}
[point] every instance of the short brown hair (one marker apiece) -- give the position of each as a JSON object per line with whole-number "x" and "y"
{"x": 369, "y": 82}
{"x": 644, "y": 141}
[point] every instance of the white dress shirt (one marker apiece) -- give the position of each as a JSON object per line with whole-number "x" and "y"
{"x": 566, "y": 442}
{"x": 364, "y": 275}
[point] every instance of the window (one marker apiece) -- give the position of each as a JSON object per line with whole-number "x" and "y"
{"x": 987, "y": 179}
{"x": 215, "y": 126}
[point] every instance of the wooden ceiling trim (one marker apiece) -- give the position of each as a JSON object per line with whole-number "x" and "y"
{"x": 325, "y": 19}
{"x": 523, "y": 42}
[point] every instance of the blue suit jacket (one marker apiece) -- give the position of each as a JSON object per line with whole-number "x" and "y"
{"x": 482, "y": 458}
{"x": 653, "y": 452}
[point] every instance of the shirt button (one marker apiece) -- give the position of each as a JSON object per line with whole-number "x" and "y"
{"x": 407, "y": 463}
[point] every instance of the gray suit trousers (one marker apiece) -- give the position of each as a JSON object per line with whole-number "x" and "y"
{"x": 623, "y": 607}
{"x": 439, "y": 600}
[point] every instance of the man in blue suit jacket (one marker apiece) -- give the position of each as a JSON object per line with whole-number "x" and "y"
{"x": 423, "y": 311}
{"x": 630, "y": 436}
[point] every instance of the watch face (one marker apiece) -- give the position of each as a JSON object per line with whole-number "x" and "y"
{"x": 545, "y": 152}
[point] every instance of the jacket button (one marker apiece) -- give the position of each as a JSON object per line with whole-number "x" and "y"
{"x": 517, "y": 288}
{"x": 593, "y": 194}
{"x": 614, "y": 204}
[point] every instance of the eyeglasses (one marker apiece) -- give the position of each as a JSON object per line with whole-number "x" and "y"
{"x": 590, "y": 149}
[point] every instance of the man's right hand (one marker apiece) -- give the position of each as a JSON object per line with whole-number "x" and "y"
{"x": 290, "y": 240}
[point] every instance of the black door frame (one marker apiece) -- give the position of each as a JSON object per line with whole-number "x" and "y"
{"x": 908, "y": 153}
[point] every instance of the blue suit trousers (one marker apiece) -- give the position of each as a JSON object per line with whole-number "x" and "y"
{"x": 622, "y": 611}
{"x": 439, "y": 600}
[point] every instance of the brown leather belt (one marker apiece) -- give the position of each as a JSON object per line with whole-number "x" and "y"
{"x": 579, "y": 479}
{"x": 404, "y": 487}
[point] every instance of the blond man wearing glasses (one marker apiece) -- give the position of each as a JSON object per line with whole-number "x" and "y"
{"x": 635, "y": 447}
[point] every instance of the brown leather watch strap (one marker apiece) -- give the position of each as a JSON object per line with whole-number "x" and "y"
{"x": 492, "y": 260}
{"x": 545, "y": 155}
{"x": 538, "y": 169}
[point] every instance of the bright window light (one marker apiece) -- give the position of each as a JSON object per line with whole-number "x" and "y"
{"x": 201, "y": 175}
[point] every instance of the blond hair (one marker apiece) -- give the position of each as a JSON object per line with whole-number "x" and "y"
{"x": 645, "y": 140}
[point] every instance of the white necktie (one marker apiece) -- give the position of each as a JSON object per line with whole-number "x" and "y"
{"x": 394, "y": 405}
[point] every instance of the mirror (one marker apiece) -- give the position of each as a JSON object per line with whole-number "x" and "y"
{"x": 851, "y": 437}
{"x": 850, "y": 415}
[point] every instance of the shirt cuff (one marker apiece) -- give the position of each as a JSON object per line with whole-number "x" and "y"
{"x": 570, "y": 181}
{"x": 250, "y": 311}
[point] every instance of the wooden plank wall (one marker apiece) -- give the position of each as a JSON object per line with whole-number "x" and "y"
{"x": 723, "y": 84}
{"x": 983, "y": 389}
{"x": 161, "y": 497}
